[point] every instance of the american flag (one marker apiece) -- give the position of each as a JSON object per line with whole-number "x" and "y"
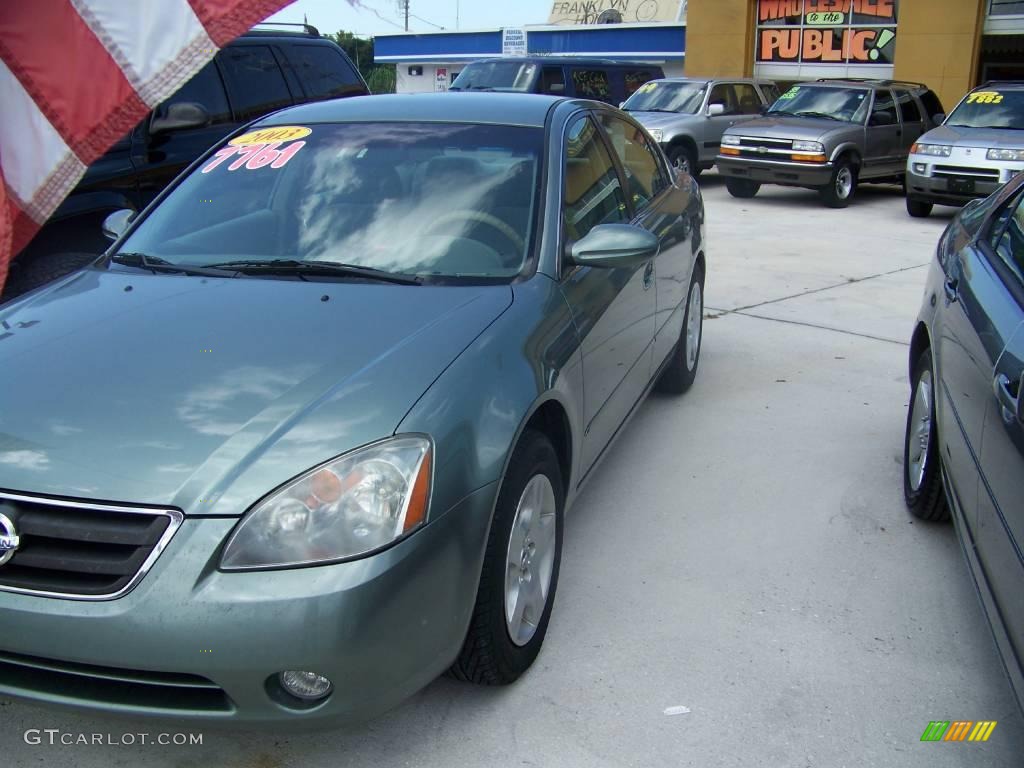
{"x": 76, "y": 75}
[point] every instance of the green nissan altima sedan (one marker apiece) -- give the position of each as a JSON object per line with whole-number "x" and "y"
{"x": 304, "y": 437}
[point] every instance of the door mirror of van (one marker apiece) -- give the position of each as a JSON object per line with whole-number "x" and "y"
{"x": 116, "y": 223}
{"x": 554, "y": 88}
{"x": 183, "y": 114}
{"x": 716, "y": 109}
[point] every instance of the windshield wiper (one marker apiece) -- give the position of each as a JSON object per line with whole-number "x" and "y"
{"x": 481, "y": 88}
{"x": 655, "y": 109}
{"x": 301, "y": 267}
{"x": 156, "y": 265}
{"x": 823, "y": 115}
{"x": 776, "y": 112}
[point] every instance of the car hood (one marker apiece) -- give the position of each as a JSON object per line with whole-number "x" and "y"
{"x": 803, "y": 128}
{"x": 990, "y": 138}
{"x": 205, "y": 394}
{"x": 662, "y": 119}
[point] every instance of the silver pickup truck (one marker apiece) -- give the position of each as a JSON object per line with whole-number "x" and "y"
{"x": 828, "y": 135}
{"x": 688, "y": 116}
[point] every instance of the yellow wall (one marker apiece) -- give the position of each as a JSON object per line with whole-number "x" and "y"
{"x": 720, "y": 38}
{"x": 937, "y": 44}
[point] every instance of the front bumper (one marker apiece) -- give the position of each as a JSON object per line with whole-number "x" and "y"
{"x": 963, "y": 176}
{"x": 194, "y": 642}
{"x": 775, "y": 171}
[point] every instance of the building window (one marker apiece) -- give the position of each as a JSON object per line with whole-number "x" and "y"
{"x": 811, "y": 32}
{"x": 1006, "y": 8}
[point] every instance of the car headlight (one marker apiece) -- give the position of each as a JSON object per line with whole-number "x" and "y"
{"x": 656, "y": 133}
{"x": 813, "y": 147}
{"x": 938, "y": 150}
{"x": 352, "y": 505}
{"x": 731, "y": 141}
{"x": 1005, "y": 154}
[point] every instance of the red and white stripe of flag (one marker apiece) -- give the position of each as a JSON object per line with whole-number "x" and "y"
{"x": 76, "y": 75}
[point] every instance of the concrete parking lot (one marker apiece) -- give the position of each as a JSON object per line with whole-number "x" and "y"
{"x": 744, "y": 553}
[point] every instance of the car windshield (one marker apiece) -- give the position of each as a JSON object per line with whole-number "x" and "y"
{"x": 439, "y": 199}
{"x": 667, "y": 97}
{"x": 496, "y": 76}
{"x": 990, "y": 108}
{"x": 849, "y": 104}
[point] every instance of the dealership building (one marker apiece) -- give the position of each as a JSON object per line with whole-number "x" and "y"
{"x": 952, "y": 45}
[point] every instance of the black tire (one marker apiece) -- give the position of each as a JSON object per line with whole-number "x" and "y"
{"x": 741, "y": 188}
{"x": 488, "y": 655}
{"x": 842, "y": 186}
{"x": 678, "y": 376}
{"x": 928, "y": 500}
{"x": 40, "y": 270}
{"x": 681, "y": 154}
{"x": 918, "y": 208}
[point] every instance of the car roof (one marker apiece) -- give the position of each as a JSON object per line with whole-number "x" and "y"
{"x": 865, "y": 82}
{"x": 1007, "y": 85}
{"x": 575, "y": 60}
{"x": 719, "y": 79}
{"x": 525, "y": 109}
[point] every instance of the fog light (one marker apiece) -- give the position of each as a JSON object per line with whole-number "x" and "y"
{"x": 919, "y": 169}
{"x": 308, "y": 686}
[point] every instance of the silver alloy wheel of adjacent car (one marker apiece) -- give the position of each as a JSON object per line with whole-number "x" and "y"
{"x": 530, "y": 559}
{"x": 681, "y": 162}
{"x": 919, "y": 435}
{"x": 694, "y": 317}
{"x": 844, "y": 182}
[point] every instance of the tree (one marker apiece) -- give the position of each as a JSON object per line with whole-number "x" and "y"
{"x": 379, "y": 77}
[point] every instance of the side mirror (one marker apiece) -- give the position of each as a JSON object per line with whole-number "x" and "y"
{"x": 939, "y": 118}
{"x": 716, "y": 109}
{"x": 556, "y": 88}
{"x": 615, "y": 245}
{"x": 882, "y": 118}
{"x": 116, "y": 223}
{"x": 183, "y": 114}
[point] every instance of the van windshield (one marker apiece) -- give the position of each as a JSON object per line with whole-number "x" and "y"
{"x": 655, "y": 96}
{"x": 496, "y": 76}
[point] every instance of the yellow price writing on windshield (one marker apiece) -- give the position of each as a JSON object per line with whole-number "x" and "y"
{"x": 985, "y": 97}
{"x": 647, "y": 87}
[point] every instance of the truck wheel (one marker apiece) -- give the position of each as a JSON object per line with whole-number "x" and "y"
{"x": 684, "y": 160}
{"x": 44, "y": 269}
{"x": 918, "y": 209}
{"x": 741, "y": 188}
{"x": 839, "y": 191}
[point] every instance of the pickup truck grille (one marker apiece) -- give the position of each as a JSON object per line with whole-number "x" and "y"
{"x": 963, "y": 172}
{"x": 757, "y": 142}
{"x": 80, "y": 550}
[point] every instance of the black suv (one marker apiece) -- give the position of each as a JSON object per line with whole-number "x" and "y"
{"x": 258, "y": 73}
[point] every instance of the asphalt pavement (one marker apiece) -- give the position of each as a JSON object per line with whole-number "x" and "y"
{"x": 744, "y": 554}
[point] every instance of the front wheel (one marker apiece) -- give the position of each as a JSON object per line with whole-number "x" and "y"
{"x": 520, "y": 571}
{"x": 684, "y": 160}
{"x": 922, "y": 472}
{"x": 681, "y": 371}
{"x": 839, "y": 191}
{"x": 741, "y": 188}
{"x": 918, "y": 209}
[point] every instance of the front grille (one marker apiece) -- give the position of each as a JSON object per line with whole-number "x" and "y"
{"x": 962, "y": 172}
{"x": 756, "y": 142}
{"x": 65, "y": 680}
{"x": 82, "y": 550}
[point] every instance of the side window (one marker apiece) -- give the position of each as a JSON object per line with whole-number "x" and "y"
{"x": 254, "y": 80}
{"x": 932, "y": 105}
{"x": 593, "y": 194}
{"x": 1009, "y": 245}
{"x": 591, "y": 84}
{"x": 323, "y": 71}
{"x": 205, "y": 89}
{"x": 723, "y": 94}
{"x": 644, "y": 177}
{"x": 746, "y": 99}
{"x": 908, "y": 107}
{"x": 552, "y": 80}
{"x": 633, "y": 79}
{"x": 883, "y": 111}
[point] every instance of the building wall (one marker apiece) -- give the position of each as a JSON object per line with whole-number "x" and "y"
{"x": 720, "y": 38}
{"x": 938, "y": 44}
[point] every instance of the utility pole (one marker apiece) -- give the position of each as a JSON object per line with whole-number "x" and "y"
{"x": 403, "y": 5}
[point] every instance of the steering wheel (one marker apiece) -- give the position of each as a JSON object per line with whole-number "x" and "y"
{"x": 465, "y": 214}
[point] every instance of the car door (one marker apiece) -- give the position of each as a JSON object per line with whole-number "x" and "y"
{"x": 716, "y": 125}
{"x": 883, "y": 137}
{"x": 159, "y": 157}
{"x": 647, "y": 185}
{"x": 912, "y": 119}
{"x": 613, "y": 309}
{"x": 1000, "y": 532}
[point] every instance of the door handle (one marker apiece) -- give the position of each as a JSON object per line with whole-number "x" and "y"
{"x": 1010, "y": 401}
{"x": 950, "y": 287}
{"x": 648, "y": 274}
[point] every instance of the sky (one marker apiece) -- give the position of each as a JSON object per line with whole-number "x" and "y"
{"x": 372, "y": 17}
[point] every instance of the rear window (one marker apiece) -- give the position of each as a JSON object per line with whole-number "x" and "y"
{"x": 324, "y": 72}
